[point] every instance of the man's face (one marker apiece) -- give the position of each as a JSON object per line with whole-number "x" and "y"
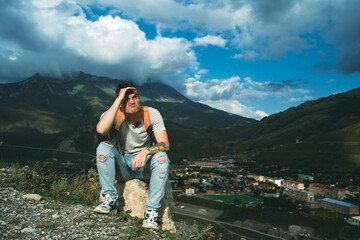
{"x": 132, "y": 102}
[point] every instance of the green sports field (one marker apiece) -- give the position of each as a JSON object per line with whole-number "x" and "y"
{"x": 231, "y": 198}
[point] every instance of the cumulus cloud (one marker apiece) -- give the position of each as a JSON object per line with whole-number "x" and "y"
{"x": 210, "y": 40}
{"x": 69, "y": 35}
{"x": 237, "y": 88}
{"x": 260, "y": 29}
{"x": 233, "y": 106}
{"x": 257, "y": 29}
{"x": 227, "y": 94}
{"x": 56, "y": 36}
{"x": 248, "y": 55}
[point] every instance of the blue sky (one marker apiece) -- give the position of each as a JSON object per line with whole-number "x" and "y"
{"x": 252, "y": 58}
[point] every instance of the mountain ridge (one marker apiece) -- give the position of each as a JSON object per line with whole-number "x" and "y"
{"x": 318, "y": 134}
{"x": 62, "y": 113}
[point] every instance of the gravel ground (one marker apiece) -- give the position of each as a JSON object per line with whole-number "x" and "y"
{"x": 26, "y": 218}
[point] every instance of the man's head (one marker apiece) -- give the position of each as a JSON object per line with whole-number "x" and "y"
{"x": 123, "y": 85}
{"x": 131, "y": 102}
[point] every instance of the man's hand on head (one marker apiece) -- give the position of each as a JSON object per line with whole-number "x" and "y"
{"x": 122, "y": 94}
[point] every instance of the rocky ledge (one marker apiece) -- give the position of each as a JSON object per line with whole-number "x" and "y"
{"x": 30, "y": 216}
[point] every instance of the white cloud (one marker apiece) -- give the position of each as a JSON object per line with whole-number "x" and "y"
{"x": 233, "y": 106}
{"x": 298, "y": 99}
{"x": 203, "y": 71}
{"x": 210, "y": 40}
{"x": 248, "y": 55}
{"x": 237, "y": 88}
{"x": 330, "y": 81}
{"x": 228, "y": 94}
{"x": 258, "y": 29}
{"x": 65, "y": 40}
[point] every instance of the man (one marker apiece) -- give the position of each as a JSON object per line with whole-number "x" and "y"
{"x": 130, "y": 149}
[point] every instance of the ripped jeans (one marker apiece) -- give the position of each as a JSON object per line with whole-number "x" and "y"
{"x": 156, "y": 169}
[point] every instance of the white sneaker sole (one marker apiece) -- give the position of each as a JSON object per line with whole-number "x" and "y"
{"x": 98, "y": 210}
{"x": 150, "y": 225}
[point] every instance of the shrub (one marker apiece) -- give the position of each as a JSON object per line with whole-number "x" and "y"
{"x": 80, "y": 188}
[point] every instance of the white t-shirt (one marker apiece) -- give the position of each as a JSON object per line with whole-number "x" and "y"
{"x": 132, "y": 139}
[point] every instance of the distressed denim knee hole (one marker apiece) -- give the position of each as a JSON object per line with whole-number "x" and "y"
{"x": 162, "y": 159}
{"x": 162, "y": 175}
{"x": 101, "y": 158}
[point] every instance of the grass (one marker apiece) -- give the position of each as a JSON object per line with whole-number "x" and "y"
{"x": 83, "y": 188}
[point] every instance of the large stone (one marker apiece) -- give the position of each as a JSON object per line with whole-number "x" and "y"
{"x": 133, "y": 195}
{"x": 31, "y": 196}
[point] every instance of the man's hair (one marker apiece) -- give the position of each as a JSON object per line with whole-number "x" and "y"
{"x": 123, "y": 85}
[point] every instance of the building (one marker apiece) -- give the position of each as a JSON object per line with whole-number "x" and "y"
{"x": 303, "y": 177}
{"x": 209, "y": 190}
{"x": 258, "y": 178}
{"x": 189, "y": 189}
{"x": 276, "y": 181}
{"x": 194, "y": 180}
{"x": 289, "y": 184}
{"x": 339, "y": 206}
{"x": 229, "y": 190}
{"x": 267, "y": 186}
{"x": 301, "y": 195}
{"x": 327, "y": 191}
{"x": 313, "y": 204}
{"x": 209, "y": 163}
{"x": 269, "y": 193}
{"x": 250, "y": 182}
{"x": 354, "y": 221}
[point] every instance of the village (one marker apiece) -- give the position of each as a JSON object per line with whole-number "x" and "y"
{"x": 225, "y": 176}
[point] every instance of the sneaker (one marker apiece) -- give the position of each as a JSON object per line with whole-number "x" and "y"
{"x": 151, "y": 219}
{"x": 107, "y": 205}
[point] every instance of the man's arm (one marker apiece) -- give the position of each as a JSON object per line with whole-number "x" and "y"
{"x": 162, "y": 145}
{"x": 106, "y": 122}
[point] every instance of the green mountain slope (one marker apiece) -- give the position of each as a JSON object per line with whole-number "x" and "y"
{"x": 61, "y": 113}
{"x": 323, "y": 133}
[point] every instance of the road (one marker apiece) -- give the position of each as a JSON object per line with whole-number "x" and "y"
{"x": 210, "y": 214}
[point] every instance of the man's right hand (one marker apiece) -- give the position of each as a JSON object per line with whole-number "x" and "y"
{"x": 107, "y": 120}
{"x": 122, "y": 95}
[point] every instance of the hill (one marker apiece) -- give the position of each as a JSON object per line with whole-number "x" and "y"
{"x": 61, "y": 113}
{"x": 319, "y": 134}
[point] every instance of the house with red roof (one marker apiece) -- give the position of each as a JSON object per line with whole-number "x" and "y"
{"x": 327, "y": 191}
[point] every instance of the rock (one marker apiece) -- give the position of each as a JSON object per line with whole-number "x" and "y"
{"x": 28, "y": 230}
{"x": 29, "y": 196}
{"x": 133, "y": 195}
{"x": 55, "y": 216}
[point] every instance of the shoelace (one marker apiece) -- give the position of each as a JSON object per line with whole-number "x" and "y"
{"x": 153, "y": 215}
{"x": 107, "y": 200}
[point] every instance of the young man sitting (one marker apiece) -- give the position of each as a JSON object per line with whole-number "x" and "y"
{"x": 130, "y": 148}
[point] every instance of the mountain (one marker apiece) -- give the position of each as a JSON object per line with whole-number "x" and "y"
{"x": 61, "y": 113}
{"x": 319, "y": 134}
{"x": 75, "y": 97}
